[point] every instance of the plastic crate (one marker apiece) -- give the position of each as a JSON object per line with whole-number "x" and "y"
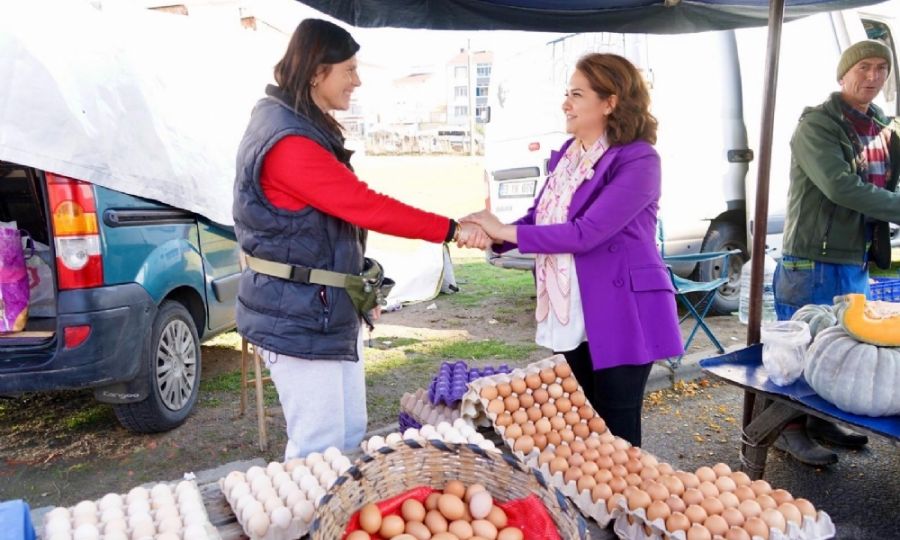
{"x": 887, "y": 289}
{"x": 15, "y": 521}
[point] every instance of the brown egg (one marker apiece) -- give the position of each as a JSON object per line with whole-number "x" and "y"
{"x": 675, "y": 504}
{"x": 603, "y": 476}
{"x": 638, "y": 499}
{"x": 693, "y": 496}
{"x": 698, "y": 532}
{"x": 370, "y": 518}
{"x": 358, "y": 535}
{"x": 533, "y": 381}
{"x": 605, "y": 462}
{"x": 504, "y": 389}
{"x": 708, "y": 489}
{"x": 567, "y": 435}
{"x": 725, "y": 483}
{"x": 736, "y": 533}
{"x": 658, "y": 510}
{"x": 696, "y": 513}
{"x": 573, "y": 474}
{"x": 689, "y": 480}
{"x": 596, "y": 424}
{"x": 590, "y": 468}
{"x": 562, "y": 370}
{"x": 454, "y": 487}
{"x": 495, "y": 406}
{"x": 806, "y": 508}
{"x": 554, "y": 438}
{"x": 620, "y": 444}
{"x": 513, "y": 432}
{"x": 504, "y": 419}
{"x": 451, "y": 507}
{"x": 672, "y": 483}
{"x": 548, "y": 376}
{"x": 733, "y": 517}
{"x": 619, "y": 457}
{"x": 706, "y": 474}
{"x": 585, "y": 412}
{"x": 510, "y": 533}
{"x": 555, "y": 390}
{"x": 721, "y": 469}
{"x": 577, "y": 398}
{"x": 497, "y": 517}
{"x": 581, "y": 430}
{"x": 729, "y": 500}
{"x": 601, "y": 492}
{"x": 540, "y": 396}
{"x": 791, "y": 512}
{"x": 548, "y": 409}
{"x": 559, "y": 464}
{"x": 534, "y": 413}
{"x": 564, "y": 451}
{"x": 563, "y": 405}
{"x": 766, "y": 502}
{"x": 744, "y": 493}
{"x": 632, "y": 465}
{"x": 750, "y": 508}
{"x": 757, "y": 527}
{"x": 391, "y": 526}
{"x": 712, "y": 505}
{"x": 431, "y": 500}
{"x": 413, "y": 510}
{"x": 781, "y": 496}
{"x": 526, "y": 401}
{"x": 444, "y": 536}
{"x": 716, "y": 525}
{"x": 617, "y": 484}
{"x": 483, "y": 528}
{"x": 462, "y": 529}
{"x": 677, "y": 522}
{"x": 571, "y": 418}
{"x": 633, "y": 479}
{"x": 511, "y": 403}
{"x": 657, "y": 491}
{"x": 540, "y": 441}
{"x": 619, "y": 470}
{"x": 542, "y": 425}
{"x": 554, "y": 424}
{"x": 774, "y": 519}
{"x": 546, "y": 456}
{"x": 417, "y": 530}
{"x": 524, "y": 444}
{"x": 489, "y": 393}
{"x": 436, "y": 522}
{"x": 740, "y": 478}
{"x": 518, "y": 385}
{"x": 569, "y": 384}
{"x": 760, "y": 487}
{"x": 606, "y": 436}
{"x": 576, "y": 459}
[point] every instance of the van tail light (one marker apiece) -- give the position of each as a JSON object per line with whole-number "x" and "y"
{"x": 76, "y": 232}
{"x": 76, "y": 335}
{"x": 534, "y": 147}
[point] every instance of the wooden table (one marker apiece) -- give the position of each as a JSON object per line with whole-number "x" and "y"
{"x": 773, "y": 406}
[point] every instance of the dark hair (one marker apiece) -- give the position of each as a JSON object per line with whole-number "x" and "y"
{"x": 610, "y": 74}
{"x": 315, "y": 43}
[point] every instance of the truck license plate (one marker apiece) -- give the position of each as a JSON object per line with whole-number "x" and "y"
{"x": 517, "y": 189}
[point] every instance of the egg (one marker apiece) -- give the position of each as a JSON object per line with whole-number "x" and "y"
{"x": 708, "y": 489}
{"x": 729, "y": 500}
{"x": 417, "y": 530}
{"x": 725, "y": 484}
{"x": 84, "y": 508}
{"x": 483, "y": 528}
{"x": 766, "y": 502}
{"x": 689, "y": 480}
{"x": 757, "y": 527}
{"x": 513, "y": 432}
{"x": 172, "y": 524}
{"x": 358, "y": 535}
{"x": 431, "y": 500}
{"x": 675, "y": 503}
{"x": 461, "y": 528}
{"x": 693, "y": 496}
{"x": 760, "y": 487}
{"x": 601, "y": 492}
{"x": 303, "y": 510}
{"x": 677, "y": 522}
{"x": 370, "y": 518}
{"x": 744, "y": 493}
{"x": 526, "y": 401}
{"x": 518, "y": 385}
{"x": 142, "y": 530}
{"x": 451, "y": 506}
{"x": 578, "y": 399}
{"x": 791, "y": 512}
{"x": 455, "y": 487}
{"x": 736, "y": 533}
{"x": 716, "y": 525}
{"x": 391, "y": 526}
{"x": 373, "y": 444}
{"x": 698, "y": 532}
{"x": 480, "y": 504}
{"x": 435, "y": 521}
{"x": 533, "y": 381}
{"x": 806, "y": 508}
{"x": 721, "y": 469}
{"x": 534, "y": 414}
{"x": 733, "y": 517}
{"x": 658, "y": 510}
{"x": 696, "y": 513}
{"x": 57, "y": 527}
{"x": 750, "y": 508}
{"x": 639, "y": 499}
{"x": 774, "y": 519}
{"x": 510, "y": 533}
{"x": 673, "y": 484}
{"x": 540, "y": 396}
{"x": 706, "y": 474}
{"x": 524, "y": 444}
{"x": 489, "y": 393}
{"x": 497, "y": 517}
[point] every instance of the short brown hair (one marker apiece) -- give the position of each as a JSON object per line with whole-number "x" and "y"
{"x": 611, "y": 74}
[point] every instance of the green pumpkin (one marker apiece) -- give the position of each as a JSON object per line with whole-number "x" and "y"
{"x": 817, "y": 316}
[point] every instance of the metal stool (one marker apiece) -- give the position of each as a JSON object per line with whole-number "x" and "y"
{"x": 257, "y": 381}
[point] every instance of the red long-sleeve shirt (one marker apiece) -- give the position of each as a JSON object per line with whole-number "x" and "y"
{"x": 298, "y": 172}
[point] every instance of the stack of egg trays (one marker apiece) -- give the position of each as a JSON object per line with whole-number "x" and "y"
{"x": 449, "y": 385}
{"x": 420, "y": 409}
{"x": 62, "y": 522}
{"x": 299, "y": 484}
{"x": 406, "y": 421}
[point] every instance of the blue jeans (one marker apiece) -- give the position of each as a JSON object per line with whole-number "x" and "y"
{"x": 799, "y": 281}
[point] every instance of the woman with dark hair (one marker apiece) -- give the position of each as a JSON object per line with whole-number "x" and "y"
{"x": 604, "y": 297}
{"x": 301, "y": 217}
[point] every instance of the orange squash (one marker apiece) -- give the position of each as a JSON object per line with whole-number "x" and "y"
{"x": 874, "y": 322}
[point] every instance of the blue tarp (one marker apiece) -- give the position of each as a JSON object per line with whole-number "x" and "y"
{"x": 649, "y": 16}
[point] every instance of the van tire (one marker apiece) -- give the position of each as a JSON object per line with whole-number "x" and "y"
{"x": 153, "y": 415}
{"x": 724, "y": 236}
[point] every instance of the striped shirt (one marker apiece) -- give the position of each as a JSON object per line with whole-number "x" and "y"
{"x": 873, "y": 158}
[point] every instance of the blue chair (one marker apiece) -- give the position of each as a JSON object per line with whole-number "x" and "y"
{"x": 695, "y": 296}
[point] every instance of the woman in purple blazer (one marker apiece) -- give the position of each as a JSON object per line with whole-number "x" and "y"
{"x": 604, "y": 297}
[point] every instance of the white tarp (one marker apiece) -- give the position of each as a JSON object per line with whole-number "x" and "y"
{"x": 151, "y": 104}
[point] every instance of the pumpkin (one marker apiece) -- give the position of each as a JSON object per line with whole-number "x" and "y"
{"x": 874, "y": 322}
{"x": 817, "y": 316}
{"x": 857, "y": 377}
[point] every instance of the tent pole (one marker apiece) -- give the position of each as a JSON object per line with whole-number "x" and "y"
{"x": 760, "y": 220}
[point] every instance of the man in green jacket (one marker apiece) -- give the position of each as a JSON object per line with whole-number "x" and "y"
{"x": 845, "y": 163}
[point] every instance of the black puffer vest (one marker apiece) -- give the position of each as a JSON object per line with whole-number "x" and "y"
{"x": 309, "y": 321}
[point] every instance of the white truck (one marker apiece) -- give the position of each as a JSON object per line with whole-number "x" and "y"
{"x": 709, "y": 113}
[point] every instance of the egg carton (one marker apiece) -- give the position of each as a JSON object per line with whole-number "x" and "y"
{"x": 634, "y": 525}
{"x": 161, "y": 511}
{"x": 278, "y": 502}
{"x": 460, "y": 432}
{"x": 420, "y": 409}
{"x": 405, "y": 421}
{"x": 449, "y": 385}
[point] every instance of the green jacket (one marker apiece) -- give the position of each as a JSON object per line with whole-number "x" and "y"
{"x": 828, "y": 202}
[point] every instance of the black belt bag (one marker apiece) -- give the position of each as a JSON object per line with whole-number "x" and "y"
{"x": 366, "y": 291}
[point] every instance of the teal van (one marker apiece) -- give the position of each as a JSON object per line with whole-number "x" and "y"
{"x": 136, "y": 287}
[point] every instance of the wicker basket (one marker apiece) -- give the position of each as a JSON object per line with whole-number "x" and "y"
{"x": 395, "y": 470}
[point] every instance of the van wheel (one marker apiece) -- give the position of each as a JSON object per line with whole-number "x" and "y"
{"x": 172, "y": 366}
{"x": 724, "y": 236}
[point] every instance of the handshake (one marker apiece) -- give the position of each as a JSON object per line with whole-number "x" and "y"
{"x": 481, "y": 229}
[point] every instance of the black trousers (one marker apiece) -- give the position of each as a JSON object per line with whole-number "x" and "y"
{"x": 616, "y": 393}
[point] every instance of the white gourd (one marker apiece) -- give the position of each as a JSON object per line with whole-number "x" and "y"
{"x": 857, "y": 377}
{"x": 817, "y": 316}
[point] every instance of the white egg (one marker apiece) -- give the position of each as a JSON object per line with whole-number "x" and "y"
{"x": 281, "y": 517}
{"x": 254, "y": 471}
{"x": 142, "y": 531}
{"x": 114, "y": 525}
{"x": 274, "y": 468}
{"x": 427, "y": 431}
{"x": 466, "y": 431}
{"x": 185, "y": 486}
{"x": 292, "y": 464}
{"x": 315, "y": 494}
{"x": 57, "y": 526}
{"x": 313, "y": 458}
{"x": 331, "y": 453}
{"x": 285, "y": 490}
{"x": 193, "y": 531}
{"x": 65, "y": 535}
{"x": 443, "y": 427}
{"x": 474, "y": 438}
{"x": 340, "y": 465}
{"x": 239, "y": 490}
{"x": 252, "y": 508}
{"x": 294, "y": 498}
{"x": 260, "y": 482}
{"x": 111, "y": 513}
{"x": 303, "y": 510}
{"x": 115, "y": 535}
{"x": 299, "y": 472}
{"x": 160, "y": 490}
{"x": 138, "y": 507}
{"x": 266, "y": 493}
{"x": 189, "y": 505}
{"x": 170, "y": 525}
{"x": 374, "y": 443}
{"x": 319, "y": 467}
{"x": 258, "y": 524}
{"x": 327, "y": 478}
{"x": 164, "y": 513}
{"x": 86, "y": 532}
{"x": 82, "y": 519}
{"x": 167, "y": 535}
{"x": 60, "y": 512}
{"x": 233, "y": 478}
{"x": 308, "y": 482}
{"x": 194, "y": 519}
{"x": 487, "y": 444}
{"x": 138, "y": 492}
{"x": 242, "y": 503}
{"x": 162, "y": 501}
{"x": 84, "y": 508}
{"x": 272, "y": 503}
{"x": 140, "y": 520}
{"x": 110, "y": 500}
{"x": 393, "y": 439}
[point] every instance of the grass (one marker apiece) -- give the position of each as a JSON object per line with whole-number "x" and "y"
{"x": 231, "y": 383}
{"x": 480, "y": 283}
{"x": 91, "y": 417}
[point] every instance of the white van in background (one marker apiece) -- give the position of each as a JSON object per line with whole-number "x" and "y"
{"x": 707, "y": 91}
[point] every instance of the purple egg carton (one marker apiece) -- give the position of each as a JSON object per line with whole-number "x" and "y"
{"x": 406, "y": 421}
{"x": 449, "y": 385}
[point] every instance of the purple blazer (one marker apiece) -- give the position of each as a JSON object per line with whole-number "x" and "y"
{"x": 628, "y": 300}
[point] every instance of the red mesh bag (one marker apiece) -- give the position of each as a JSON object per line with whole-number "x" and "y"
{"x": 528, "y": 514}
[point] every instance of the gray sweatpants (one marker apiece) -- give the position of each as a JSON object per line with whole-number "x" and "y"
{"x": 324, "y": 401}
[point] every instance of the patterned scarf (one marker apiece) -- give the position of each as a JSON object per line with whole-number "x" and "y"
{"x": 554, "y": 272}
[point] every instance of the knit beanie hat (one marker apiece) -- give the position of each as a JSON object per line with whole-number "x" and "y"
{"x": 859, "y": 51}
